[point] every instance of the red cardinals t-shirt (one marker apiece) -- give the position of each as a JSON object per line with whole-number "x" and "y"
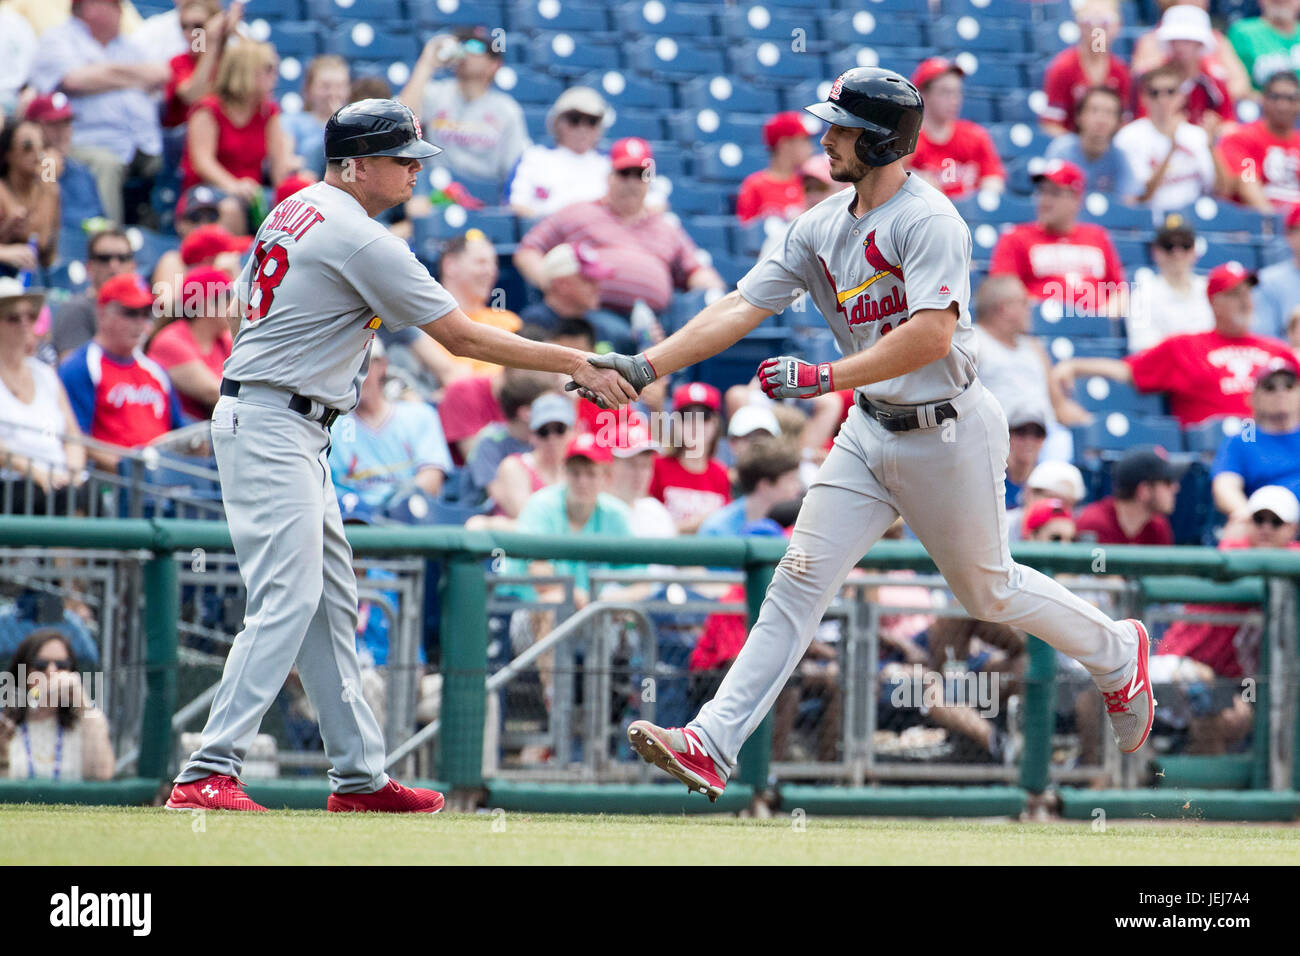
{"x": 241, "y": 150}
{"x": 1099, "y": 522}
{"x": 1205, "y": 373}
{"x": 962, "y": 162}
{"x": 688, "y": 495}
{"x": 1274, "y": 162}
{"x": 761, "y": 194}
{"x": 1080, "y": 266}
{"x": 1065, "y": 84}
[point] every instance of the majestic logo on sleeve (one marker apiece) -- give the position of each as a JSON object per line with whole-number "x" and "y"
{"x": 865, "y": 307}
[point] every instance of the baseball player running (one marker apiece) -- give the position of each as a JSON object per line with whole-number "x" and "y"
{"x": 888, "y": 266}
{"x": 322, "y": 276}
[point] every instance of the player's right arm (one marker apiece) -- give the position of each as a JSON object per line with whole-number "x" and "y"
{"x": 714, "y": 328}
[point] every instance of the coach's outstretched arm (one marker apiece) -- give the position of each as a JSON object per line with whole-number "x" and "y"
{"x": 460, "y": 335}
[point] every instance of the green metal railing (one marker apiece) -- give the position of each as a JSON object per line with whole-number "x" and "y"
{"x": 1166, "y": 574}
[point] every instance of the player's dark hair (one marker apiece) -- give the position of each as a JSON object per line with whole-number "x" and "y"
{"x": 517, "y": 393}
{"x": 1105, "y": 91}
{"x": 7, "y": 140}
{"x": 766, "y": 458}
{"x": 1281, "y": 76}
{"x": 25, "y": 654}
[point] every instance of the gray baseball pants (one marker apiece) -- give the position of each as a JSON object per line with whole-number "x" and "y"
{"x": 948, "y": 484}
{"x": 302, "y": 593}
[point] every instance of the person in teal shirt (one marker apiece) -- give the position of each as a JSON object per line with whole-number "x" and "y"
{"x": 578, "y": 506}
{"x": 1270, "y": 43}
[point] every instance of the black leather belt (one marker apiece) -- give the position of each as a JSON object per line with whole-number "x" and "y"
{"x": 903, "y": 421}
{"x": 297, "y": 403}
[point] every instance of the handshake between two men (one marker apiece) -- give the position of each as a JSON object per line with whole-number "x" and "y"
{"x": 782, "y": 377}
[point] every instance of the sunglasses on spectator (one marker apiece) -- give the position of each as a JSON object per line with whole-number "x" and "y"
{"x": 1060, "y": 537}
{"x": 1262, "y": 518}
{"x": 136, "y": 315}
{"x": 1169, "y": 245}
{"x": 28, "y": 316}
{"x": 45, "y": 663}
{"x": 1278, "y": 386}
{"x": 551, "y": 430}
{"x": 107, "y": 257}
{"x": 205, "y": 216}
{"x": 1155, "y": 92}
{"x": 633, "y": 172}
{"x": 574, "y": 118}
{"x": 1029, "y": 431}
{"x": 1288, "y": 97}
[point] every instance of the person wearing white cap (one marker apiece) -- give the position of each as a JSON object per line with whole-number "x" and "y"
{"x": 1049, "y": 479}
{"x": 1268, "y": 454}
{"x": 548, "y": 178}
{"x": 38, "y": 431}
{"x": 1268, "y": 43}
{"x": 1148, "y": 53}
{"x": 748, "y": 424}
{"x": 1187, "y": 38}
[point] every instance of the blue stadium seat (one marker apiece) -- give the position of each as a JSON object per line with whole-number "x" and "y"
{"x": 757, "y": 22}
{"x": 69, "y": 276}
{"x": 991, "y": 69}
{"x": 997, "y": 209}
{"x": 1046, "y": 39}
{"x": 671, "y": 160}
{"x": 1102, "y": 396}
{"x": 563, "y": 53}
{"x": 768, "y": 59}
{"x": 689, "y": 198}
{"x": 1209, "y": 215}
{"x": 979, "y": 35}
{"x": 920, "y": 8}
{"x": 1115, "y": 215}
{"x": 648, "y": 124}
{"x": 439, "y": 15}
{"x": 556, "y": 15}
{"x": 737, "y": 364}
{"x": 1013, "y": 107}
{"x": 1019, "y": 10}
{"x": 277, "y": 10}
{"x": 1019, "y": 139}
{"x": 676, "y": 59}
{"x": 622, "y": 89}
{"x": 364, "y": 41}
{"x": 1116, "y": 431}
{"x": 329, "y": 11}
{"x": 429, "y": 233}
{"x": 1219, "y": 250}
{"x": 874, "y": 27}
{"x": 711, "y": 232}
{"x": 1060, "y": 346}
{"x": 728, "y": 162}
{"x": 980, "y": 108}
{"x": 640, "y": 18}
{"x": 722, "y": 93}
{"x": 732, "y": 269}
{"x": 532, "y": 86}
{"x": 715, "y": 126}
{"x": 1050, "y": 319}
{"x": 149, "y": 247}
{"x": 1134, "y": 253}
{"x": 535, "y": 120}
{"x": 1205, "y": 439}
{"x": 300, "y": 40}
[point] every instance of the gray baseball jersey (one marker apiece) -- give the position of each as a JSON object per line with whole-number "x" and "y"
{"x": 867, "y": 275}
{"x": 321, "y": 277}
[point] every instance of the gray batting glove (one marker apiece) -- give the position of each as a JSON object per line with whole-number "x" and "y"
{"x": 635, "y": 368}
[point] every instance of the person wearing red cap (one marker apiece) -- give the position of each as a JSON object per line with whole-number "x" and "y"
{"x": 1171, "y": 157}
{"x": 1049, "y": 520}
{"x": 1057, "y": 257}
{"x": 1204, "y": 374}
{"x": 580, "y": 505}
{"x": 1262, "y": 159}
{"x": 1085, "y": 65}
{"x": 120, "y": 396}
{"x": 29, "y": 202}
{"x": 1278, "y": 292}
{"x": 193, "y": 348}
{"x": 78, "y": 194}
{"x": 648, "y": 255}
{"x": 778, "y": 189}
{"x": 688, "y": 479}
{"x": 954, "y": 155}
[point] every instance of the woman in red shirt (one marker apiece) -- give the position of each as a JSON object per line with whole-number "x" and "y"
{"x": 195, "y": 70}
{"x": 690, "y": 482}
{"x": 235, "y": 133}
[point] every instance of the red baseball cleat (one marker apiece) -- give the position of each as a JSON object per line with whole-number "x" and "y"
{"x": 392, "y": 798}
{"x": 1132, "y": 708}
{"x": 678, "y": 752}
{"x": 215, "y": 792}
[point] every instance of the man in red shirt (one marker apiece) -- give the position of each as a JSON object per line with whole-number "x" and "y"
{"x": 1263, "y": 158}
{"x": 1087, "y": 64}
{"x": 777, "y": 190}
{"x": 954, "y": 155}
{"x": 1058, "y": 257}
{"x": 118, "y": 395}
{"x": 648, "y": 255}
{"x": 1146, "y": 488}
{"x": 1205, "y": 374}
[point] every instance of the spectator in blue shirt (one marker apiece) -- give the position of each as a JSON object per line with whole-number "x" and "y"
{"x": 1278, "y": 292}
{"x": 325, "y": 86}
{"x": 78, "y": 194}
{"x": 110, "y": 79}
{"x": 1098, "y": 117}
{"x": 1266, "y": 452}
{"x": 384, "y": 447}
{"x": 768, "y": 470}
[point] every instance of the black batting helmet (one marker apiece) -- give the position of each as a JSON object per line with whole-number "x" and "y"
{"x": 885, "y": 106}
{"x": 376, "y": 128}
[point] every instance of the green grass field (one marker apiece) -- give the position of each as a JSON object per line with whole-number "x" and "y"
{"x": 32, "y": 834}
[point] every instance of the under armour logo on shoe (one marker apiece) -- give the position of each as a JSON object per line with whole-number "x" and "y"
{"x": 209, "y": 791}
